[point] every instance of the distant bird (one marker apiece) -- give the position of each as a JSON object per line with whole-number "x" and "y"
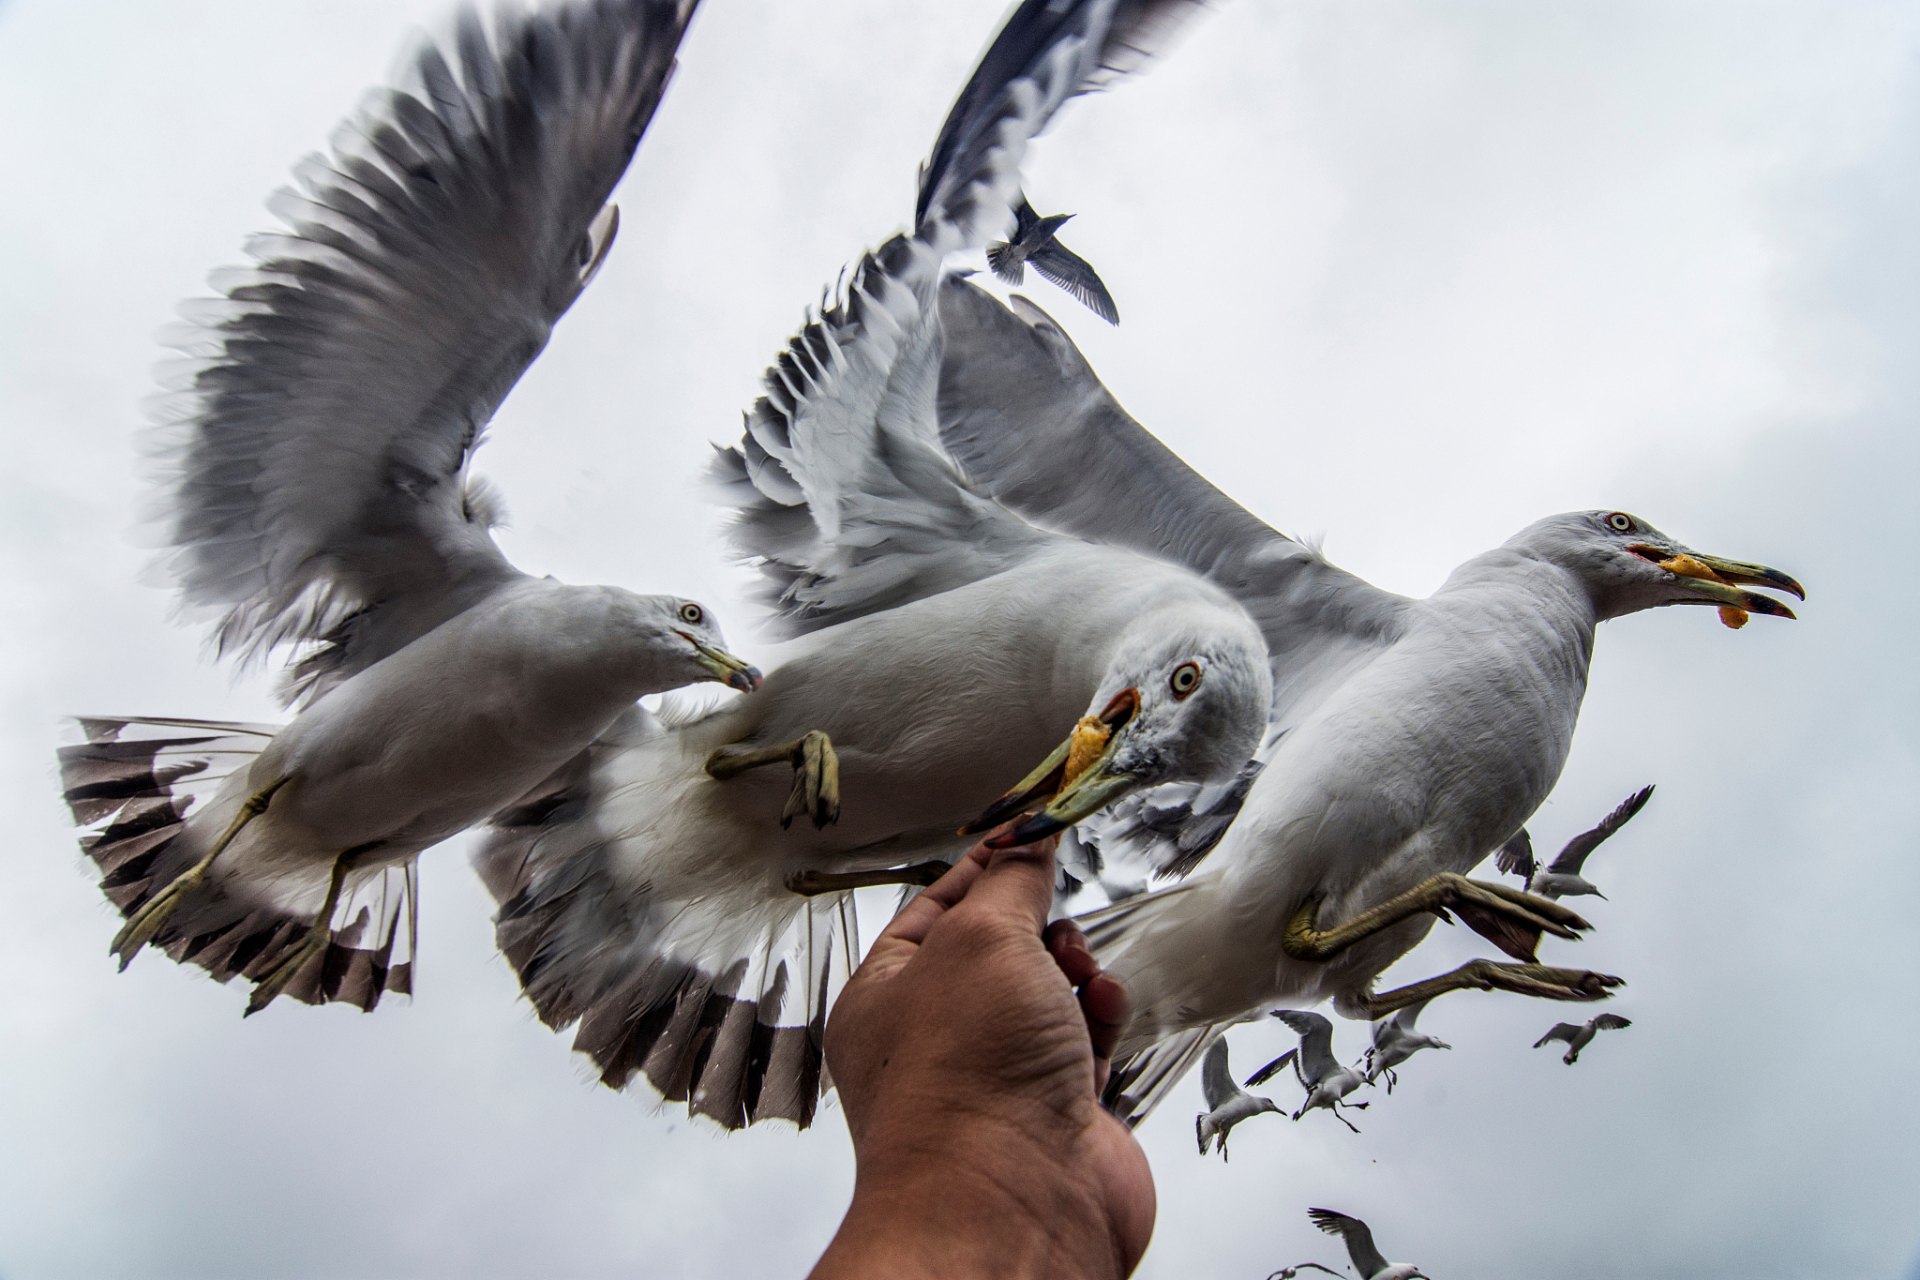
{"x": 322, "y": 499}
{"x": 1033, "y": 242}
{"x": 1562, "y": 879}
{"x": 1395, "y": 1040}
{"x": 1367, "y": 1259}
{"x": 1579, "y": 1037}
{"x": 1320, "y": 1073}
{"x": 1227, "y": 1103}
{"x": 1288, "y": 1273}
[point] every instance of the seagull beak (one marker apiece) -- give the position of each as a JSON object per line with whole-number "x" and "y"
{"x": 1719, "y": 581}
{"x": 1076, "y": 780}
{"x": 723, "y": 666}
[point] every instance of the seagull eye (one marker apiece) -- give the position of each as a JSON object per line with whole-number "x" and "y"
{"x": 1620, "y": 522}
{"x": 692, "y": 614}
{"x": 1185, "y": 679}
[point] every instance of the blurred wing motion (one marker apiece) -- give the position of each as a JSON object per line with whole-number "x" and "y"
{"x": 1516, "y": 856}
{"x": 1273, "y": 1068}
{"x": 332, "y": 398}
{"x": 1216, "y": 1077}
{"x": 1565, "y": 1031}
{"x": 1367, "y": 1260}
{"x": 1574, "y": 856}
{"x": 1076, "y": 275}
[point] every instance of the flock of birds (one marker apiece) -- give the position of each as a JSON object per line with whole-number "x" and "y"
{"x": 1281, "y": 774}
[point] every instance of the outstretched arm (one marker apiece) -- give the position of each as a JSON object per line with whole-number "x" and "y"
{"x": 969, "y": 1051}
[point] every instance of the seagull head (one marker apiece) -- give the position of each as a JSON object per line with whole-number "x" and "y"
{"x": 684, "y": 644}
{"x": 1184, "y": 699}
{"x": 1628, "y": 565}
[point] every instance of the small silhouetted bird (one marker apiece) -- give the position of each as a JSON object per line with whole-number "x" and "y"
{"x": 1579, "y": 1036}
{"x": 1562, "y": 879}
{"x": 1033, "y": 242}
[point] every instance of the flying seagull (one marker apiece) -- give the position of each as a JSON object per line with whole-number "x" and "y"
{"x": 1227, "y": 1103}
{"x": 1367, "y": 1259}
{"x": 1395, "y": 1040}
{"x": 1320, "y": 1073}
{"x": 322, "y": 500}
{"x": 1579, "y": 1037}
{"x": 1562, "y": 879}
{"x": 1288, "y": 1273}
{"x": 945, "y": 646}
{"x": 1408, "y": 738}
{"x": 1034, "y": 242}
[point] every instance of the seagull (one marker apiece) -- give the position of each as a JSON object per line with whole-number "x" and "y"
{"x": 943, "y": 646}
{"x": 1562, "y": 879}
{"x": 1320, "y": 1073}
{"x": 322, "y": 500}
{"x": 1288, "y": 1273}
{"x": 1394, "y": 1041}
{"x": 1579, "y": 1037}
{"x": 1227, "y": 1103}
{"x": 1367, "y": 1259}
{"x": 1409, "y": 738}
{"x": 1034, "y": 242}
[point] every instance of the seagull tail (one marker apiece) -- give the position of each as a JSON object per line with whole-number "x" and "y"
{"x": 134, "y": 785}
{"x": 718, "y": 1002}
{"x": 1140, "y": 1081}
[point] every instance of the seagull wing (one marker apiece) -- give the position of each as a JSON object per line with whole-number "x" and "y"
{"x": 1367, "y": 1259}
{"x": 1609, "y": 1022}
{"x": 1405, "y": 1019}
{"x": 1168, "y": 830}
{"x": 1216, "y": 1077}
{"x": 1076, "y": 275}
{"x": 1574, "y": 856}
{"x": 1561, "y": 1031}
{"x": 333, "y": 397}
{"x": 1106, "y": 39}
{"x": 1516, "y": 856}
{"x": 1316, "y": 1043}
{"x": 1272, "y": 1069}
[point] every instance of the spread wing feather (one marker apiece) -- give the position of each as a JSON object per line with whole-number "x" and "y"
{"x": 334, "y": 395}
{"x": 1574, "y": 856}
{"x": 1216, "y": 1077}
{"x": 1367, "y": 1260}
{"x": 1076, "y": 275}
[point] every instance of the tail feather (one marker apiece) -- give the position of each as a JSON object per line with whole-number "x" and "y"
{"x": 138, "y": 791}
{"x": 720, "y": 1004}
{"x": 1141, "y": 1081}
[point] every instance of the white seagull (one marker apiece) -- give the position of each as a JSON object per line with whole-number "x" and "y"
{"x": 1227, "y": 1103}
{"x": 649, "y": 893}
{"x": 1562, "y": 879}
{"x": 1409, "y": 738}
{"x": 321, "y": 499}
{"x": 1319, "y": 1072}
{"x": 1394, "y": 1041}
{"x": 1367, "y": 1258}
{"x": 1578, "y": 1037}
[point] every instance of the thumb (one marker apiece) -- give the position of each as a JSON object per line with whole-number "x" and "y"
{"x": 1017, "y": 884}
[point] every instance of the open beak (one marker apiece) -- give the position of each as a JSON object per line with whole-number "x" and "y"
{"x": 1075, "y": 781}
{"x": 726, "y": 668}
{"x": 1719, "y": 582}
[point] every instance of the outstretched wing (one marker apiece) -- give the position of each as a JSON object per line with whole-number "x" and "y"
{"x": 1272, "y": 1069}
{"x": 332, "y": 397}
{"x": 1561, "y": 1031}
{"x": 1076, "y": 275}
{"x": 1405, "y": 1019}
{"x": 1516, "y": 856}
{"x": 1111, "y": 39}
{"x": 1574, "y": 856}
{"x": 1367, "y": 1259}
{"x": 1610, "y": 1022}
{"x": 1168, "y": 830}
{"x": 1216, "y": 1077}
{"x": 846, "y": 495}
{"x": 1316, "y": 1042}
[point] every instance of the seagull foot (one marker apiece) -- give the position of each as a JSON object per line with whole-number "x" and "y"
{"x": 144, "y": 924}
{"x": 1537, "y": 980}
{"x": 816, "y": 775}
{"x": 813, "y": 883}
{"x": 1509, "y": 918}
{"x": 281, "y": 976}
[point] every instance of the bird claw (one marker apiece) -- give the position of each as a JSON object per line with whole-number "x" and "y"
{"x": 816, "y": 775}
{"x": 1511, "y": 919}
{"x": 144, "y": 924}
{"x": 1542, "y": 981}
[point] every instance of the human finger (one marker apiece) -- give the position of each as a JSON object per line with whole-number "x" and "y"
{"x": 1069, "y": 949}
{"x": 911, "y": 923}
{"x": 1105, "y": 1005}
{"x": 1017, "y": 884}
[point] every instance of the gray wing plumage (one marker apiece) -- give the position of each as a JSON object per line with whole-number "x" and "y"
{"x": 1561, "y": 1031}
{"x": 1076, "y": 275}
{"x": 1516, "y": 856}
{"x": 1405, "y": 1019}
{"x": 1111, "y": 39}
{"x": 1367, "y": 1260}
{"x": 1216, "y": 1077}
{"x": 333, "y": 396}
{"x": 1574, "y": 856}
{"x": 1168, "y": 830}
{"x": 1316, "y": 1042}
{"x": 1272, "y": 1069}
{"x": 1610, "y": 1022}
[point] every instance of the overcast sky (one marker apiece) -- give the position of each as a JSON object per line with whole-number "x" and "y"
{"x": 1408, "y": 274}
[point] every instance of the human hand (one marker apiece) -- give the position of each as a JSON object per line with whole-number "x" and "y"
{"x": 969, "y": 1050}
